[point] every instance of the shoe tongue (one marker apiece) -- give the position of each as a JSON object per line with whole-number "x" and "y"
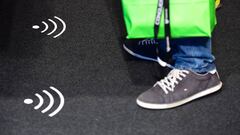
{"x": 174, "y": 71}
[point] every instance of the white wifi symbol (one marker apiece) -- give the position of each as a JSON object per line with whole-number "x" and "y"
{"x": 51, "y": 103}
{"x": 54, "y": 28}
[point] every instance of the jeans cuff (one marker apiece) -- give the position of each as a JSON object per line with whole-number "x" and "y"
{"x": 206, "y": 69}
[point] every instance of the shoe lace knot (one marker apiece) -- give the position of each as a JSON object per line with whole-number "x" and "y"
{"x": 169, "y": 82}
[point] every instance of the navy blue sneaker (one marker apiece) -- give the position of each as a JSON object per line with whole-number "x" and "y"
{"x": 144, "y": 48}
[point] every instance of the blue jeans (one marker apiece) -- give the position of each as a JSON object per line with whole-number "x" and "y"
{"x": 194, "y": 54}
{"x": 188, "y": 53}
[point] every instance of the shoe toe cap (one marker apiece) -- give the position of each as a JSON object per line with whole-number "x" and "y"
{"x": 151, "y": 96}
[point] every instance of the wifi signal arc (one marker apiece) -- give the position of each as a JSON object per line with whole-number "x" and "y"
{"x": 51, "y": 103}
{"x": 64, "y": 26}
{"x": 55, "y": 27}
{"x": 40, "y": 101}
{"x": 61, "y": 102}
{"x": 46, "y": 27}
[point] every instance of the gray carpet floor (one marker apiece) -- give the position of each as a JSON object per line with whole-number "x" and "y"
{"x": 97, "y": 78}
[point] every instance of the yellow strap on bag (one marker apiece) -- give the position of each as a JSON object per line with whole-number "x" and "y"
{"x": 217, "y": 3}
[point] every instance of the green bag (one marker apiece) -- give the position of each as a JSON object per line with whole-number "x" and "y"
{"x": 188, "y": 18}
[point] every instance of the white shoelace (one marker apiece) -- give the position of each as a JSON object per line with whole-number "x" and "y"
{"x": 173, "y": 78}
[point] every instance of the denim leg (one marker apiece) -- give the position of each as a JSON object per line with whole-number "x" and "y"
{"x": 193, "y": 54}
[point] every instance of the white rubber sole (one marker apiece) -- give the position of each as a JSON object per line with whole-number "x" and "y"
{"x": 181, "y": 102}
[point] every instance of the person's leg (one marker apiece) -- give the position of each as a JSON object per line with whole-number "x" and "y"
{"x": 194, "y": 76}
{"x": 193, "y": 54}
